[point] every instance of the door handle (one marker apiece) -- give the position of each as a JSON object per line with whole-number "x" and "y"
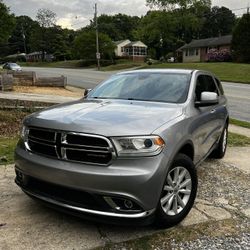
{"x": 212, "y": 111}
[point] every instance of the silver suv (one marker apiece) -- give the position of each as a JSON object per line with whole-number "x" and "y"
{"x": 129, "y": 149}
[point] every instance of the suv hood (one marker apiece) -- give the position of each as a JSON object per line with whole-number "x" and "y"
{"x": 106, "y": 117}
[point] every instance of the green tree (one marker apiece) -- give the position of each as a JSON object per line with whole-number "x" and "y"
{"x": 172, "y": 4}
{"x": 241, "y": 39}
{"x": 7, "y": 24}
{"x": 117, "y": 27}
{"x": 46, "y": 18}
{"x": 218, "y": 21}
{"x": 59, "y": 42}
{"x": 85, "y": 46}
{"x": 157, "y": 31}
{"x": 41, "y": 37}
{"x": 21, "y": 35}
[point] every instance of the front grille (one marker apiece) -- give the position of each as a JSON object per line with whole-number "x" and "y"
{"x": 70, "y": 146}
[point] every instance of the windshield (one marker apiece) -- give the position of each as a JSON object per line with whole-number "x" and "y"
{"x": 145, "y": 86}
{"x": 13, "y": 65}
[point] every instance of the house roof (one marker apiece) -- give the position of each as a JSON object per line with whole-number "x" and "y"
{"x": 136, "y": 43}
{"x": 208, "y": 42}
{"x": 35, "y": 53}
{"x": 119, "y": 42}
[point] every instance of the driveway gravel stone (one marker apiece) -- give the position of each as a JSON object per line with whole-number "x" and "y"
{"x": 223, "y": 195}
{"x": 241, "y": 242}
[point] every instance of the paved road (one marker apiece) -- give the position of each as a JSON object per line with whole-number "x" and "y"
{"x": 239, "y": 100}
{"x": 83, "y": 78}
{"x": 238, "y": 94}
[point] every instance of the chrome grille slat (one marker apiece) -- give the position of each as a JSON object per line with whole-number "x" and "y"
{"x": 86, "y": 150}
{"x": 65, "y": 146}
{"x": 84, "y": 146}
{"x": 38, "y": 139}
{"x": 34, "y": 140}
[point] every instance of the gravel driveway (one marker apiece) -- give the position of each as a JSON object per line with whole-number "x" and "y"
{"x": 219, "y": 219}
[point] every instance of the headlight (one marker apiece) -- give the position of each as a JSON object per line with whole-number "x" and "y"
{"x": 24, "y": 132}
{"x": 138, "y": 146}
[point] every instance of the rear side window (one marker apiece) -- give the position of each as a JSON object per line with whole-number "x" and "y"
{"x": 204, "y": 83}
{"x": 219, "y": 86}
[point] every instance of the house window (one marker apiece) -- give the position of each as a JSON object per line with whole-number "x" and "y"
{"x": 191, "y": 52}
{"x": 196, "y": 52}
{"x": 122, "y": 49}
{"x": 143, "y": 51}
{"x": 186, "y": 52}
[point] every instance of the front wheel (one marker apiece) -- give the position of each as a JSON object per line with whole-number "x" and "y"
{"x": 220, "y": 150}
{"x": 178, "y": 193}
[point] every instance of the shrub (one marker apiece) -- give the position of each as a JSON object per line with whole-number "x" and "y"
{"x": 215, "y": 55}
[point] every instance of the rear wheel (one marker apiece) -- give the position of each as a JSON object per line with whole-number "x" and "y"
{"x": 178, "y": 193}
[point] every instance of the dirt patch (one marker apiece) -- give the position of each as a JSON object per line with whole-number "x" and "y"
{"x": 10, "y": 122}
{"x": 47, "y": 91}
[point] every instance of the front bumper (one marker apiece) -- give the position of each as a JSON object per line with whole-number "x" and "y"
{"x": 138, "y": 180}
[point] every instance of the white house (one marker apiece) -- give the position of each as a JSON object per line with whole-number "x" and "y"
{"x": 119, "y": 50}
{"x": 135, "y": 50}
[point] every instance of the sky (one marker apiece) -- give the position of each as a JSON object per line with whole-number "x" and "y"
{"x": 75, "y": 14}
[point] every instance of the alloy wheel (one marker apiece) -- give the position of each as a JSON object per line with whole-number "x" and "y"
{"x": 176, "y": 191}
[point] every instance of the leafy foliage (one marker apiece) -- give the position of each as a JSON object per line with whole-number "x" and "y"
{"x": 117, "y": 27}
{"x": 84, "y": 46}
{"x": 165, "y": 28}
{"x": 215, "y": 55}
{"x": 218, "y": 21}
{"x": 170, "y": 4}
{"x": 46, "y": 18}
{"x": 157, "y": 31}
{"x": 241, "y": 39}
{"x": 21, "y": 35}
{"x": 7, "y": 24}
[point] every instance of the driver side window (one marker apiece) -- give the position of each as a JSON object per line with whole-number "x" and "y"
{"x": 204, "y": 83}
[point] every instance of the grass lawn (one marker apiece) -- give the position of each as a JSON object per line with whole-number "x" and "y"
{"x": 236, "y": 140}
{"x": 7, "y": 147}
{"x": 239, "y": 123}
{"x": 120, "y": 64}
{"x": 231, "y": 72}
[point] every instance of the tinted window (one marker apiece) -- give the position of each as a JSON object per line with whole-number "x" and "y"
{"x": 146, "y": 86}
{"x": 219, "y": 86}
{"x": 204, "y": 83}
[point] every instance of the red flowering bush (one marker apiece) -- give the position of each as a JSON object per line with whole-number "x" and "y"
{"x": 222, "y": 55}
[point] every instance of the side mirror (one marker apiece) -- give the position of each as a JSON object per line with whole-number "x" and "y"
{"x": 86, "y": 92}
{"x": 207, "y": 99}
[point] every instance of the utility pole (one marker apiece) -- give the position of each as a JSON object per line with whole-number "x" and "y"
{"x": 24, "y": 42}
{"x": 98, "y": 55}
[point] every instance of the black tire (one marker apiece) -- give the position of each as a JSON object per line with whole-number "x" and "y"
{"x": 220, "y": 150}
{"x": 162, "y": 218}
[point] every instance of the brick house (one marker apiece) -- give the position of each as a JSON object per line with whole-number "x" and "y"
{"x": 196, "y": 50}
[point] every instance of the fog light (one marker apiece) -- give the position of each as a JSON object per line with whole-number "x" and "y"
{"x": 128, "y": 204}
